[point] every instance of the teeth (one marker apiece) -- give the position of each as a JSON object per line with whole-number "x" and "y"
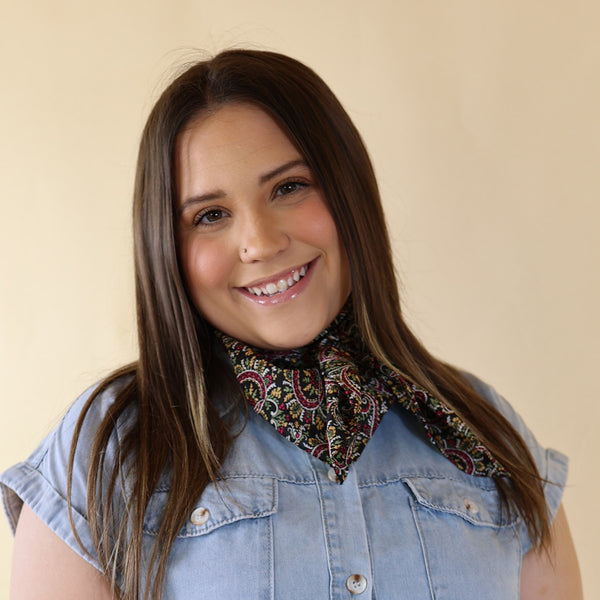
{"x": 281, "y": 286}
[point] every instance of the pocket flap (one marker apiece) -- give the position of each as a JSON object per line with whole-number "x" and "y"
{"x": 477, "y": 504}
{"x": 233, "y": 500}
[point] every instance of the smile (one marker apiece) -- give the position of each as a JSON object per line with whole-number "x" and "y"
{"x": 279, "y": 285}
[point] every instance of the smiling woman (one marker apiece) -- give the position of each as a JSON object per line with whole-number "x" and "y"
{"x": 283, "y": 433}
{"x": 258, "y": 246}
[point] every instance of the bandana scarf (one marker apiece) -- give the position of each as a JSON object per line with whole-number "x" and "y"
{"x": 329, "y": 397}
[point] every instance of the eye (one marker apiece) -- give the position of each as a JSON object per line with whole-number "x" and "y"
{"x": 289, "y": 187}
{"x": 209, "y": 217}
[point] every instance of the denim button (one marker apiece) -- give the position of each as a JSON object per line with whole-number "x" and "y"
{"x": 331, "y": 475}
{"x": 200, "y": 515}
{"x": 356, "y": 584}
{"x": 470, "y": 506}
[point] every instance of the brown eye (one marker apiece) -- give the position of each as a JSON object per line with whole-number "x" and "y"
{"x": 209, "y": 217}
{"x": 289, "y": 187}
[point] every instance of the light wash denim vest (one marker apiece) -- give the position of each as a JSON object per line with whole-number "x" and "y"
{"x": 405, "y": 525}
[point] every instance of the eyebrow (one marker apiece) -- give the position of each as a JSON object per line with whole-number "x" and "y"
{"x": 199, "y": 200}
{"x": 282, "y": 169}
{"x": 216, "y": 194}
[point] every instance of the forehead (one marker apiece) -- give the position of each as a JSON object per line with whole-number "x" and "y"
{"x": 235, "y": 131}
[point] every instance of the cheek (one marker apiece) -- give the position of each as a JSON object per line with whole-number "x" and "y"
{"x": 320, "y": 231}
{"x": 206, "y": 268}
{"x": 317, "y": 227}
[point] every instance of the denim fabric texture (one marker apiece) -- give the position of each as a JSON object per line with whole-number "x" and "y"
{"x": 405, "y": 525}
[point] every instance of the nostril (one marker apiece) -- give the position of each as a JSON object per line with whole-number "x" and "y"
{"x": 263, "y": 245}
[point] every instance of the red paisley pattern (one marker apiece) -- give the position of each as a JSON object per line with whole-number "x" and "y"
{"x": 328, "y": 398}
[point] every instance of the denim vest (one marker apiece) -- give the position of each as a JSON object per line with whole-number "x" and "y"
{"x": 406, "y": 523}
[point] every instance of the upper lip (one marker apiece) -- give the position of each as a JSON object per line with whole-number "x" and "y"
{"x": 277, "y": 277}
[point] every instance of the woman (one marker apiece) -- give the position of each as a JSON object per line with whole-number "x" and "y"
{"x": 283, "y": 433}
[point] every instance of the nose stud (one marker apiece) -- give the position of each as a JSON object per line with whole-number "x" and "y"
{"x": 244, "y": 250}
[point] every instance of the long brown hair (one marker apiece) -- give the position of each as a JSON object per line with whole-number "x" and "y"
{"x": 176, "y": 429}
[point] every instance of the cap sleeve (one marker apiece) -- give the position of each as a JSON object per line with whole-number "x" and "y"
{"x": 552, "y": 464}
{"x": 40, "y": 481}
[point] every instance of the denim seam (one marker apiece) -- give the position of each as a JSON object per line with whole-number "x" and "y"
{"x": 415, "y": 507}
{"x": 433, "y": 477}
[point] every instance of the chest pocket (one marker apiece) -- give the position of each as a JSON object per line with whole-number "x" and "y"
{"x": 225, "y": 548}
{"x": 470, "y": 544}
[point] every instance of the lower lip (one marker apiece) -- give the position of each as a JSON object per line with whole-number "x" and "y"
{"x": 286, "y": 296}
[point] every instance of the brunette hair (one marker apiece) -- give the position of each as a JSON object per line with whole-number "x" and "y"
{"x": 176, "y": 429}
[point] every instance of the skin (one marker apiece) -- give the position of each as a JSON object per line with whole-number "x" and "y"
{"x": 252, "y": 214}
{"x": 243, "y": 185}
{"x": 45, "y": 568}
{"x": 554, "y": 575}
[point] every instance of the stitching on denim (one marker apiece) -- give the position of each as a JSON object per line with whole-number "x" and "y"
{"x": 415, "y": 507}
{"x": 325, "y": 529}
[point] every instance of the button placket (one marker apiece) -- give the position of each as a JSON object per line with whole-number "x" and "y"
{"x": 347, "y": 543}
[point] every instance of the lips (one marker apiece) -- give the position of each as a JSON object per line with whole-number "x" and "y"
{"x": 278, "y": 284}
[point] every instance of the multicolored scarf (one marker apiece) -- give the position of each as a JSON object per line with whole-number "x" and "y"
{"x": 328, "y": 398}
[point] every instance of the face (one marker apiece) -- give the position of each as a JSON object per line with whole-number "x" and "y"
{"x": 259, "y": 250}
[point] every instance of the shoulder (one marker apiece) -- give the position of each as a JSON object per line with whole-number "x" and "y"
{"x": 41, "y": 480}
{"x": 551, "y": 464}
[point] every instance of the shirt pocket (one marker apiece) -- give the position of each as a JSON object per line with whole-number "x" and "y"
{"x": 225, "y": 548}
{"x": 471, "y": 546}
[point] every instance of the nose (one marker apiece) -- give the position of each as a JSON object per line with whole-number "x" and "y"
{"x": 262, "y": 238}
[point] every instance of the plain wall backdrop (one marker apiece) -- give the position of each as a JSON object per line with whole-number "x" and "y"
{"x": 483, "y": 123}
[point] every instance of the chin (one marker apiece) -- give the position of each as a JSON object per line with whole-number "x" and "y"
{"x": 288, "y": 340}
{"x": 284, "y": 342}
{"x": 290, "y": 335}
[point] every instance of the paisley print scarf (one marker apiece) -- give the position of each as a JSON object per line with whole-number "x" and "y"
{"x": 328, "y": 398}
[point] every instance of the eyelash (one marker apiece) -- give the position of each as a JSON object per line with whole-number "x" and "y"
{"x": 293, "y": 181}
{"x": 278, "y": 192}
{"x": 198, "y": 218}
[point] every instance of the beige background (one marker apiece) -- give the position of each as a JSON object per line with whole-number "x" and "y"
{"x": 482, "y": 120}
